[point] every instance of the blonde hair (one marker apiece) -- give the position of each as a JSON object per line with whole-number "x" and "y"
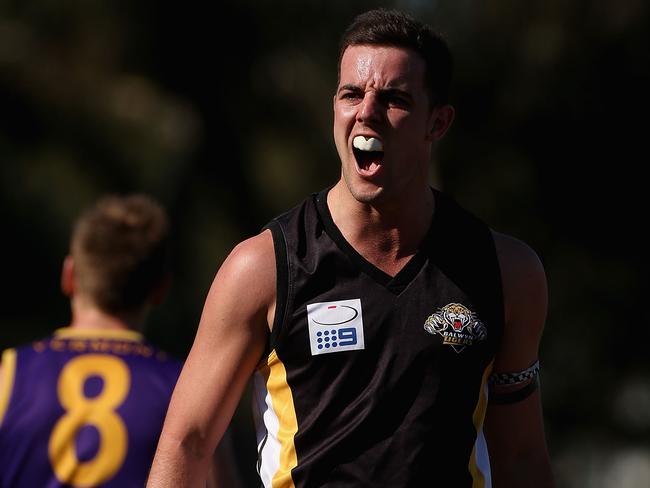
{"x": 120, "y": 251}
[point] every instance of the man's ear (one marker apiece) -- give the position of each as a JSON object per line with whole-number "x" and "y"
{"x": 439, "y": 122}
{"x": 67, "y": 277}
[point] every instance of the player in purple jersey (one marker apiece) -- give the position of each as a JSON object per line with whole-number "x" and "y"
{"x": 85, "y": 406}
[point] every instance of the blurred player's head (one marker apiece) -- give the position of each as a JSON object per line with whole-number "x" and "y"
{"x": 118, "y": 254}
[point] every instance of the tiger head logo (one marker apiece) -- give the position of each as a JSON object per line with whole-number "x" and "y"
{"x": 457, "y": 324}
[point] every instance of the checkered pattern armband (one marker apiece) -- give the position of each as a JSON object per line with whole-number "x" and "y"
{"x": 515, "y": 378}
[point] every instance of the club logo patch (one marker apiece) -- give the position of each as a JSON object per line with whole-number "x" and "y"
{"x": 335, "y": 326}
{"x": 458, "y": 326}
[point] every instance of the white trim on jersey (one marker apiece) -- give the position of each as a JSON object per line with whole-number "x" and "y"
{"x": 267, "y": 426}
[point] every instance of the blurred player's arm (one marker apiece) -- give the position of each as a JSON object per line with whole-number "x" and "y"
{"x": 228, "y": 345}
{"x": 4, "y": 396}
{"x": 514, "y": 422}
{"x": 7, "y": 372}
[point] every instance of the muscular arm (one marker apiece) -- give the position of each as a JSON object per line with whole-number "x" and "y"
{"x": 515, "y": 431}
{"x": 229, "y": 342}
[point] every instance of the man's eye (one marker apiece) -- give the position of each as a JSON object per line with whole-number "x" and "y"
{"x": 350, "y": 96}
{"x": 398, "y": 101}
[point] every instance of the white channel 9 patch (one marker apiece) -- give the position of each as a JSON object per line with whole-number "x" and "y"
{"x": 335, "y": 326}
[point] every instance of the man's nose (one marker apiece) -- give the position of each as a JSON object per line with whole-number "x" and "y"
{"x": 369, "y": 109}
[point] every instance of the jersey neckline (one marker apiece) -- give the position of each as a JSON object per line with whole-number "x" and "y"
{"x": 396, "y": 284}
{"x": 74, "y": 332}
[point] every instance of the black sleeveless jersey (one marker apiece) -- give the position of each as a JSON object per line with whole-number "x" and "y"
{"x": 373, "y": 380}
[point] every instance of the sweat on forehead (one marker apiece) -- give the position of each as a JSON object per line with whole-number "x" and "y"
{"x": 381, "y": 65}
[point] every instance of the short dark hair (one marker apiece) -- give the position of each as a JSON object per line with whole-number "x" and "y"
{"x": 120, "y": 251}
{"x": 385, "y": 27}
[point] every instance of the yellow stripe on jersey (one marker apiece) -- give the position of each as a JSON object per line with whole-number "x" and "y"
{"x": 67, "y": 332}
{"x": 282, "y": 401}
{"x": 7, "y": 373}
{"x": 478, "y": 417}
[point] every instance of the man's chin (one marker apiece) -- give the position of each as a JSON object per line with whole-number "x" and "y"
{"x": 365, "y": 192}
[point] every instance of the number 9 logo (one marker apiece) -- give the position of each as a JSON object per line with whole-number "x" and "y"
{"x": 98, "y": 411}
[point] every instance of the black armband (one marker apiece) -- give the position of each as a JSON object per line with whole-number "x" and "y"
{"x": 514, "y": 396}
{"x": 515, "y": 378}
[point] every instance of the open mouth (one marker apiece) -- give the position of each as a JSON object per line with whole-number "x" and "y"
{"x": 369, "y": 153}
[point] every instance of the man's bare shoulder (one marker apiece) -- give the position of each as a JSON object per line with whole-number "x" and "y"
{"x": 250, "y": 261}
{"x": 248, "y": 275}
{"x": 518, "y": 261}
{"x": 525, "y": 301}
{"x": 253, "y": 254}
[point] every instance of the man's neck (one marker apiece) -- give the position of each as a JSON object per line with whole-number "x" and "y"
{"x": 385, "y": 234}
{"x": 86, "y": 315}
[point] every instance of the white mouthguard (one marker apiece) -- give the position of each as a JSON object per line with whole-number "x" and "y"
{"x": 370, "y": 144}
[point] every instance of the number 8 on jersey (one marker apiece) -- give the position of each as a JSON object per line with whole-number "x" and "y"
{"x": 98, "y": 411}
